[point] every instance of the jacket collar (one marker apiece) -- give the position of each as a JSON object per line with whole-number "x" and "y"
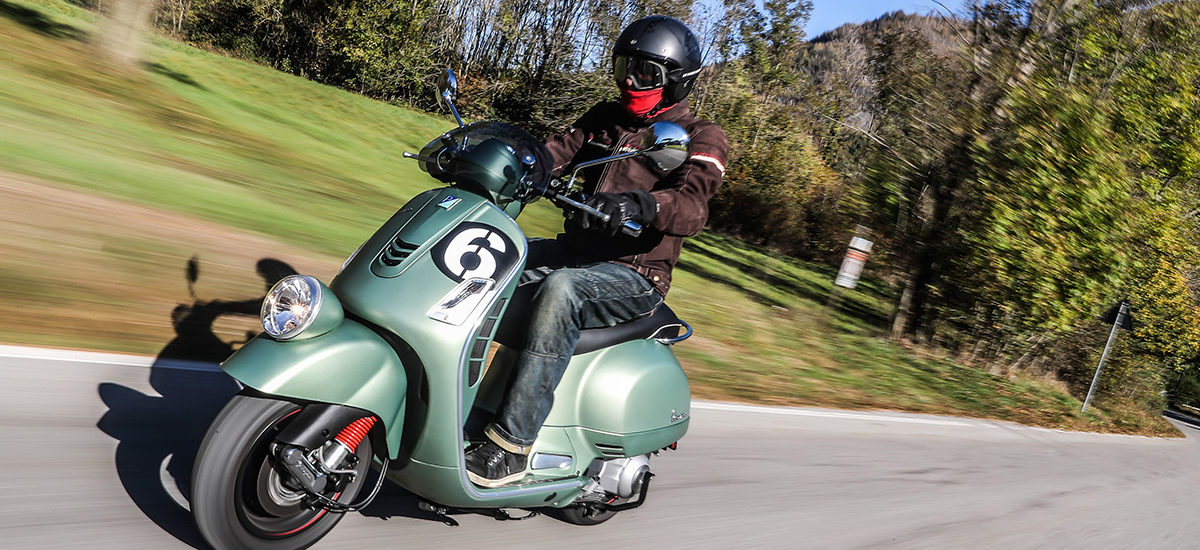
{"x": 679, "y": 111}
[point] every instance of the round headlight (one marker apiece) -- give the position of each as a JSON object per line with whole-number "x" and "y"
{"x": 291, "y": 306}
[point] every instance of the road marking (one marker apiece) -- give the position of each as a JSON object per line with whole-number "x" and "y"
{"x": 53, "y": 354}
{"x": 830, "y": 414}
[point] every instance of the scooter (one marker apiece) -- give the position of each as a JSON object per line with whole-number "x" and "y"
{"x": 398, "y": 361}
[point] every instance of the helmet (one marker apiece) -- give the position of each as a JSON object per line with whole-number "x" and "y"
{"x": 658, "y": 51}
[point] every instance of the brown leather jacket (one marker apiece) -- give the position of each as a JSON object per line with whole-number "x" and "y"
{"x": 682, "y": 194}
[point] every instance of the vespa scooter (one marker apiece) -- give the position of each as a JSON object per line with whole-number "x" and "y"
{"x": 393, "y": 362}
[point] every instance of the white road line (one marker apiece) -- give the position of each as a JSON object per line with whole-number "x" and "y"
{"x": 119, "y": 359}
{"x": 829, "y": 414}
{"x": 53, "y": 354}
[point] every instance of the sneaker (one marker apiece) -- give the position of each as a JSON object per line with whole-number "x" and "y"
{"x": 490, "y": 466}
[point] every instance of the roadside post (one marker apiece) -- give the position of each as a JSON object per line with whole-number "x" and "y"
{"x": 851, "y": 269}
{"x": 852, "y": 264}
{"x": 1119, "y": 316}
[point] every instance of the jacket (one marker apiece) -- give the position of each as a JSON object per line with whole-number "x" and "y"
{"x": 682, "y": 194}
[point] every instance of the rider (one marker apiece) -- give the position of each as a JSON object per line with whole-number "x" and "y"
{"x": 593, "y": 275}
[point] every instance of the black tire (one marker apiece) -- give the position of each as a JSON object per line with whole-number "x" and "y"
{"x": 585, "y": 515}
{"x": 238, "y": 499}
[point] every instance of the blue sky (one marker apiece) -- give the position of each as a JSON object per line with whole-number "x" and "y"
{"x": 830, "y": 14}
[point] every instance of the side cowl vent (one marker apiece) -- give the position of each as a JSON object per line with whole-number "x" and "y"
{"x": 396, "y": 252}
{"x": 389, "y": 262}
{"x": 610, "y": 450}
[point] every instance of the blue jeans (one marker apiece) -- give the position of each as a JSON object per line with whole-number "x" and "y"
{"x": 568, "y": 298}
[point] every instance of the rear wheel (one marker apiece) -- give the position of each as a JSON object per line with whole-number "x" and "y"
{"x": 595, "y": 513}
{"x": 242, "y": 499}
{"x": 586, "y": 515}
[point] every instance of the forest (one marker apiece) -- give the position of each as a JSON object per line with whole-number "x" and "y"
{"x": 1020, "y": 165}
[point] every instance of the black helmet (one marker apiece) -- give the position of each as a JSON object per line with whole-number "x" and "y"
{"x": 672, "y": 53}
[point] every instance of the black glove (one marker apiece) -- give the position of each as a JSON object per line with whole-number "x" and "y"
{"x": 636, "y": 206}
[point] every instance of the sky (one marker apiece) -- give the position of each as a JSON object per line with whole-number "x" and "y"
{"x": 831, "y": 14}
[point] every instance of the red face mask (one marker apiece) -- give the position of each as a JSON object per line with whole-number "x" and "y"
{"x": 640, "y": 103}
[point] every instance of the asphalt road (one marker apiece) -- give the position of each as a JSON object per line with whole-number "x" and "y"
{"x": 97, "y": 452}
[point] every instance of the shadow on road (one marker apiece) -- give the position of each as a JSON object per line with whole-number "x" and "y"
{"x": 394, "y": 501}
{"x": 159, "y": 434}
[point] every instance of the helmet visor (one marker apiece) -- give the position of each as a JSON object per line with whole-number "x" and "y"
{"x": 635, "y": 73}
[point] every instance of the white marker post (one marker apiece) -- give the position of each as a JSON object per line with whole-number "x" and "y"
{"x": 852, "y": 264}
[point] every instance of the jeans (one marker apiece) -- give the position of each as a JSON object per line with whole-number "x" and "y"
{"x": 568, "y": 298}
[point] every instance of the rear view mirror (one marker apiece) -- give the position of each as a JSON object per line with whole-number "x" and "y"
{"x": 666, "y": 143}
{"x": 448, "y": 93}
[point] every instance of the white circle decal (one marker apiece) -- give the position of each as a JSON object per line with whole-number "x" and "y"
{"x": 475, "y": 250}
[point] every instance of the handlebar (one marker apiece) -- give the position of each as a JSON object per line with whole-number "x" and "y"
{"x": 554, "y": 192}
{"x": 408, "y": 155}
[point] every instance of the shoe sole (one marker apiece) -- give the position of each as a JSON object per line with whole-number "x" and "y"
{"x": 484, "y": 482}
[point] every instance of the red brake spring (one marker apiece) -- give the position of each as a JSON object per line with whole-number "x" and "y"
{"x": 353, "y": 434}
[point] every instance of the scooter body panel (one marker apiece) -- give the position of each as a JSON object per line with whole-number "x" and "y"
{"x": 350, "y": 365}
{"x": 418, "y": 262}
{"x": 625, "y": 400}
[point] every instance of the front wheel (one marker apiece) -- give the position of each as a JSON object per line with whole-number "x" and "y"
{"x": 242, "y": 500}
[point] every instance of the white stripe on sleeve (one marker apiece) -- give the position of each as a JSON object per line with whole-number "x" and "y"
{"x": 709, "y": 159}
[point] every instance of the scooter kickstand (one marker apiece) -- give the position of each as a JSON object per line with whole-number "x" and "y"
{"x": 442, "y": 513}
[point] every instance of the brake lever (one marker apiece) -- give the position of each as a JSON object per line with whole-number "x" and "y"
{"x": 563, "y": 198}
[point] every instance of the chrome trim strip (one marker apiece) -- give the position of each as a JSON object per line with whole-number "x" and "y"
{"x": 545, "y": 461}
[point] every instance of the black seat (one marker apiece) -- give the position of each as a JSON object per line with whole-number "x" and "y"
{"x": 661, "y": 323}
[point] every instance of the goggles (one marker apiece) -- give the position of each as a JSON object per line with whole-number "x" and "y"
{"x": 637, "y": 74}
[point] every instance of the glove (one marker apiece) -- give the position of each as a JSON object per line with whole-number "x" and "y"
{"x": 636, "y": 206}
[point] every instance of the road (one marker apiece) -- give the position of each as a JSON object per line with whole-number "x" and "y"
{"x": 97, "y": 452}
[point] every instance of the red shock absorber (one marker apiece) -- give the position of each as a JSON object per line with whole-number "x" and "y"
{"x": 352, "y": 435}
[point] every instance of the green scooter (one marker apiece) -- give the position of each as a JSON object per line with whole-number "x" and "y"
{"x": 402, "y": 355}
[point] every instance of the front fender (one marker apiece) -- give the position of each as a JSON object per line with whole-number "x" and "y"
{"x": 350, "y": 365}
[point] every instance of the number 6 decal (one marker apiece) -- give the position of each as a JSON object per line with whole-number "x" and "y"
{"x": 475, "y": 250}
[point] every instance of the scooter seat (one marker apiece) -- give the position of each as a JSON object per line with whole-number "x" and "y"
{"x": 661, "y": 323}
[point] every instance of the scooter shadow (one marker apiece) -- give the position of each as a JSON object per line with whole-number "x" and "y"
{"x": 158, "y": 435}
{"x": 158, "y": 438}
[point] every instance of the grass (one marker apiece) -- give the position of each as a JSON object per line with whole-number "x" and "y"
{"x": 112, "y": 179}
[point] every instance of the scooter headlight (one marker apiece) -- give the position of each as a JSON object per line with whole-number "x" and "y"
{"x": 291, "y": 306}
